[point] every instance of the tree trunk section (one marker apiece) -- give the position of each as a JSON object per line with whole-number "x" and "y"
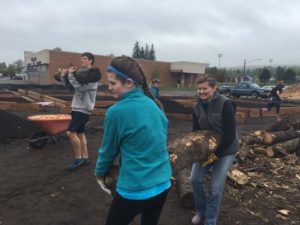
{"x": 290, "y": 146}
{"x": 185, "y": 188}
{"x": 276, "y": 137}
{"x": 193, "y": 147}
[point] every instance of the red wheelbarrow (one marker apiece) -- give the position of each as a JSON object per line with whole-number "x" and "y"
{"x": 51, "y": 126}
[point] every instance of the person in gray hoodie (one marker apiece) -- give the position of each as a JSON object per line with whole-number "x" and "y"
{"x": 83, "y": 103}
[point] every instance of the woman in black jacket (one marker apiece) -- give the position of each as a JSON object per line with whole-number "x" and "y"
{"x": 213, "y": 111}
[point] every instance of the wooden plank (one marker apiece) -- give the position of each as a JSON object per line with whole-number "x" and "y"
{"x": 56, "y": 101}
{"x": 35, "y": 95}
{"x": 180, "y": 116}
{"x": 96, "y": 111}
{"x": 190, "y": 103}
{"x": 15, "y": 106}
{"x": 283, "y": 111}
{"x": 24, "y": 97}
{"x": 22, "y": 92}
{"x": 105, "y": 103}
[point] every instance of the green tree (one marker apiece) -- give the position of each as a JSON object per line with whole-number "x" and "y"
{"x": 279, "y": 73}
{"x": 290, "y": 76}
{"x": 142, "y": 53}
{"x": 152, "y": 53}
{"x": 264, "y": 75}
{"x": 211, "y": 71}
{"x": 3, "y": 68}
{"x": 18, "y": 65}
{"x": 136, "y": 50}
{"x": 57, "y": 49}
{"x": 11, "y": 70}
{"x": 221, "y": 75}
{"x": 147, "y": 52}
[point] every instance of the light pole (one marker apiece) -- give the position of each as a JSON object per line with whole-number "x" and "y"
{"x": 219, "y": 55}
{"x": 246, "y": 63}
{"x": 270, "y": 61}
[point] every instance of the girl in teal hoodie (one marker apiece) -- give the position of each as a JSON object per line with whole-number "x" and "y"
{"x": 135, "y": 128}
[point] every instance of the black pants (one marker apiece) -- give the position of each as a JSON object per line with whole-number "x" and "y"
{"x": 274, "y": 102}
{"x": 122, "y": 211}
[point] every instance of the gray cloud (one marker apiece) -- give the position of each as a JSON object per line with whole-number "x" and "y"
{"x": 193, "y": 30}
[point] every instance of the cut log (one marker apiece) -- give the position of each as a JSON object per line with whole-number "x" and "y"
{"x": 290, "y": 146}
{"x": 185, "y": 189}
{"x": 193, "y": 147}
{"x": 282, "y": 125}
{"x": 276, "y": 137}
{"x": 237, "y": 177}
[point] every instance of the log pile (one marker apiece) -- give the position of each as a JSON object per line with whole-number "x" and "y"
{"x": 274, "y": 142}
{"x": 269, "y": 160}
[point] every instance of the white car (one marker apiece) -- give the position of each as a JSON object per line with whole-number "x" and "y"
{"x": 268, "y": 87}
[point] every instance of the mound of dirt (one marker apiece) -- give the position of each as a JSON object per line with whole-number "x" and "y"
{"x": 12, "y": 126}
{"x": 292, "y": 92}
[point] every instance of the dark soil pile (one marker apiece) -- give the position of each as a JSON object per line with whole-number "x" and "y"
{"x": 12, "y": 126}
{"x": 175, "y": 107}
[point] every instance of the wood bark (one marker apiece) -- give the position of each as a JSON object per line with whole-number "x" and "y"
{"x": 284, "y": 124}
{"x": 185, "y": 188}
{"x": 193, "y": 147}
{"x": 276, "y": 137}
{"x": 290, "y": 146}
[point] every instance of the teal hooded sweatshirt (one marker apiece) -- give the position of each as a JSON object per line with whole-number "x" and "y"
{"x": 136, "y": 129}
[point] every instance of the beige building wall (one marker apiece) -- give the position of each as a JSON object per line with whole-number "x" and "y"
{"x": 189, "y": 67}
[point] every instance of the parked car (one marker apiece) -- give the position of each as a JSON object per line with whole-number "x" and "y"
{"x": 17, "y": 77}
{"x": 268, "y": 87}
{"x": 244, "y": 89}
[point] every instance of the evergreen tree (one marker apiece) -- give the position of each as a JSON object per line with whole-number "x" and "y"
{"x": 290, "y": 76}
{"x": 279, "y": 73}
{"x": 136, "y": 50}
{"x": 264, "y": 75}
{"x": 142, "y": 53}
{"x": 152, "y": 53}
{"x": 147, "y": 52}
{"x": 3, "y": 67}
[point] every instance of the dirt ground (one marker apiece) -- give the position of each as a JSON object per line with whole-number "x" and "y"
{"x": 36, "y": 189}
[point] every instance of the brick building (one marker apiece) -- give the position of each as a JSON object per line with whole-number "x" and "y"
{"x": 41, "y": 66}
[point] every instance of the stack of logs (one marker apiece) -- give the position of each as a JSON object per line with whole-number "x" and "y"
{"x": 278, "y": 140}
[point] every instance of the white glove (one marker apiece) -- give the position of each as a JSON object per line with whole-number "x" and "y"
{"x": 102, "y": 184}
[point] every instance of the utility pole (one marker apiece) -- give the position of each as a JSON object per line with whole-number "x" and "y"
{"x": 245, "y": 63}
{"x": 220, "y": 55}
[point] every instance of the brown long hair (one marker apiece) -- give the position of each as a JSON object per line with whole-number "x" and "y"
{"x": 131, "y": 68}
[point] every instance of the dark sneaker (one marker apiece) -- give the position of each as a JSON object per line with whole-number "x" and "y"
{"x": 75, "y": 164}
{"x": 85, "y": 161}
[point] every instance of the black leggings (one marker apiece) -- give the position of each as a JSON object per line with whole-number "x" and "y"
{"x": 122, "y": 211}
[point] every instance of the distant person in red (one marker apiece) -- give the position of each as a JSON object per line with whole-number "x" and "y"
{"x": 274, "y": 100}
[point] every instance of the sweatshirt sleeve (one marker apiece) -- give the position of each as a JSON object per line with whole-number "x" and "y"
{"x": 78, "y": 86}
{"x": 109, "y": 149}
{"x": 229, "y": 127}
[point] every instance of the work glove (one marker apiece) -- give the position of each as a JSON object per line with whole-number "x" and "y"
{"x": 102, "y": 184}
{"x": 211, "y": 158}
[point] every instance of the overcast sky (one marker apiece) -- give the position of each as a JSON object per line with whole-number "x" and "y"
{"x": 181, "y": 30}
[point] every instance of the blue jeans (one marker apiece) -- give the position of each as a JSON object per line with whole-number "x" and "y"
{"x": 208, "y": 204}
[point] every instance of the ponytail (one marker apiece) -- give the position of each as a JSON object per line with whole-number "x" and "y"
{"x": 146, "y": 89}
{"x": 131, "y": 69}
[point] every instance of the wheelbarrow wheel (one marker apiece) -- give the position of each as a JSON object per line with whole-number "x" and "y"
{"x": 38, "y": 139}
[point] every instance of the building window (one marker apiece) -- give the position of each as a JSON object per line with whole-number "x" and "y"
{"x": 36, "y": 71}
